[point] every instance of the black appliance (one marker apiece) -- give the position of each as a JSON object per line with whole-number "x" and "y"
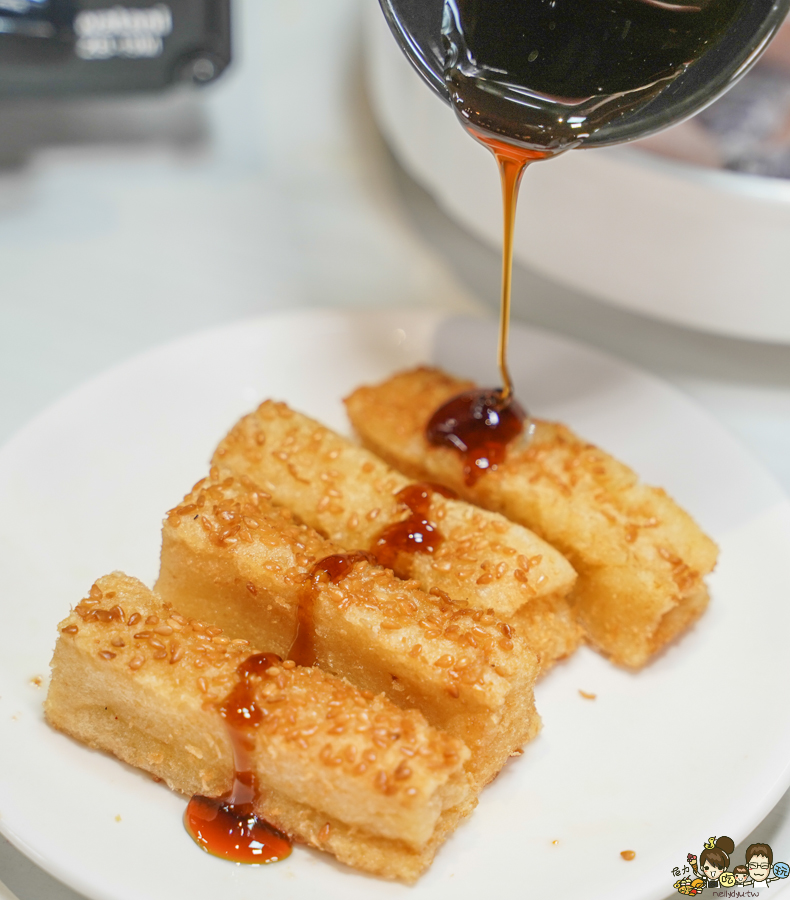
{"x": 78, "y": 47}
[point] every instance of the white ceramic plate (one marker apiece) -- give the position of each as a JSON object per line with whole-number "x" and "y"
{"x": 697, "y": 744}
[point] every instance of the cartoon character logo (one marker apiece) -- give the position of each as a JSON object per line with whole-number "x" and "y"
{"x": 760, "y": 864}
{"x": 711, "y": 870}
{"x": 713, "y": 861}
{"x": 740, "y": 874}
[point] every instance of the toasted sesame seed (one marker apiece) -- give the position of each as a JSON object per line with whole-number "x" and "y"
{"x": 403, "y": 771}
{"x": 136, "y": 662}
{"x": 381, "y": 782}
{"x": 70, "y": 629}
{"x": 107, "y": 654}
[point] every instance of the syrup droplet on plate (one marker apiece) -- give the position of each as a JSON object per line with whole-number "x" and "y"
{"x": 225, "y": 830}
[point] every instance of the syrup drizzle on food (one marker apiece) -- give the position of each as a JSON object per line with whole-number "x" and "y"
{"x": 416, "y": 533}
{"x": 334, "y": 568}
{"x": 227, "y": 826}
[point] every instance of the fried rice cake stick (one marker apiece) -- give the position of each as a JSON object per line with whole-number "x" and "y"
{"x": 640, "y": 558}
{"x": 336, "y": 768}
{"x": 231, "y": 557}
{"x": 359, "y": 502}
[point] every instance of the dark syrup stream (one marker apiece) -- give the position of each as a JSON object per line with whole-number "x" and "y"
{"x": 480, "y": 424}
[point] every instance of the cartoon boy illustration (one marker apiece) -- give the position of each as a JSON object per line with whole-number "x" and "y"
{"x": 741, "y": 874}
{"x": 714, "y": 860}
{"x": 759, "y": 860}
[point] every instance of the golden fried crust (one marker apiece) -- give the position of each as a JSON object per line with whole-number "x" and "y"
{"x": 230, "y": 556}
{"x": 640, "y": 558}
{"x": 349, "y": 495}
{"x": 135, "y": 678}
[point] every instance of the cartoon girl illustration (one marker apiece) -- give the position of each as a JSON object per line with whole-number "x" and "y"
{"x": 714, "y": 860}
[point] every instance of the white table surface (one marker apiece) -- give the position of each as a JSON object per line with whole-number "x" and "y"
{"x": 126, "y": 223}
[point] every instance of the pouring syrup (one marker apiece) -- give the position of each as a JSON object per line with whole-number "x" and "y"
{"x": 530, "y": 79}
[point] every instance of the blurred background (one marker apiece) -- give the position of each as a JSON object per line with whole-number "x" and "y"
{"x": 287, "y": 157}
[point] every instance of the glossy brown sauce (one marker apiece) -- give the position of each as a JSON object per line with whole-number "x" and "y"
{"x": 480, "y": 424}
{"x": 416, "y": 533}
{"x": 227, "y": 826}
{"x": 549, "y": 74}
{"x": 335, "y": 568}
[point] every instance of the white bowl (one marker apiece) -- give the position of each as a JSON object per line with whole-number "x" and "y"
{"x": 698, "y": 247}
